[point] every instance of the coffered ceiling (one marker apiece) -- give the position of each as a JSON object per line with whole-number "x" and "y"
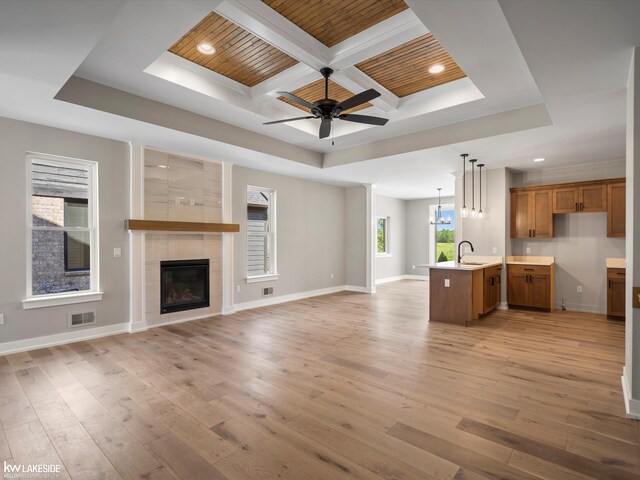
{"x": 541, "y": 79}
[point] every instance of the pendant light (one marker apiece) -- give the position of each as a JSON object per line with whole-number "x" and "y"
{"x": 480, "y": 212}
{"x": 464, "y": 213}
{"x": 440, "y": 220}
{"x": 473, "y": 213}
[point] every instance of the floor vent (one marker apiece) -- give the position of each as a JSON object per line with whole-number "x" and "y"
{"x": 81, "y": 319}
{"x": 266, "y": 291}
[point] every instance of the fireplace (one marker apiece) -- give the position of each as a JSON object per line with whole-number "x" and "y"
{"x": 184, "y": 285}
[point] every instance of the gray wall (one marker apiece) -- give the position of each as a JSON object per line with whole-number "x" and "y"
{"x": 393, "y": 265}
{"x": 580, "y": 245}
{"x": 17, "y": 138}
{"x": 310, "y": 234}
{"x": 418, "y": 238}
{"x": 355, "y": 261}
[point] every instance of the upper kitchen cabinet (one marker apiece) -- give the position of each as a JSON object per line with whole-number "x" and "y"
{"x": 616, "y": 209}
{"x": 531, "y": 213}
{"x": 580, "y": 198}
{"x": 532, "y": 208}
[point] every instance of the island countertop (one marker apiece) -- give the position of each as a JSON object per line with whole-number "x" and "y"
{"x": 469, "y": 263}
{"x": 528, "y": 260}
{"x": 616, "y": 263}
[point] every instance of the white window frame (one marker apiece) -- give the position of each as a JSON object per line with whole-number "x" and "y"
{"x": 272, "y": 237}
{"x": 387, "y": 236}
{"x": 66, "y": 298}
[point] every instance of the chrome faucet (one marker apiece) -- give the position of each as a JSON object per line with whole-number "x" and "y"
{"x": 459, "y": 245}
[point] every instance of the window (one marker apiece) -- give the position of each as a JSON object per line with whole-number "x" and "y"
{"x": 442, "y": 234}
{"x": 62, "y": 228}
{"x": 382, "y": 236}
{"x": 261, "y": 234}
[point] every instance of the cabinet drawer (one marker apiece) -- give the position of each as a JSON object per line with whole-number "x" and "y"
{"x": 616, "y": 273}
{"x": 529, "y": 269}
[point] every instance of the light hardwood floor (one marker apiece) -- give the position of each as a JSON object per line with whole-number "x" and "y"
{"x": 346, "y": 386}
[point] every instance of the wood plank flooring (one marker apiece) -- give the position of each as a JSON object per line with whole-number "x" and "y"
{"x": 345, "y": 386}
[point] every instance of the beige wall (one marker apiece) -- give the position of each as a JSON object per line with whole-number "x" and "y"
{"x": 394, "y": 264}
{"x": 16, "y": 139}
{"x": 310, "y": 235}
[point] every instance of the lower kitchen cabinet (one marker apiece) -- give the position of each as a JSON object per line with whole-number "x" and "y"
{"x": 616, "y": 292}
{"x": 530, "y": 286}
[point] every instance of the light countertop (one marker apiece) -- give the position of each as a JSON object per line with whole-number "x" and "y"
{"x": 616, "y": 263}
{"x": 527, "y": 260}
{"x": 465, "y": 265}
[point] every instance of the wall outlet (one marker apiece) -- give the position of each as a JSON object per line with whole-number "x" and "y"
{"x": 1, "y": 318}
{"x": 179, "y": 200}
{"x": 494, "y": 249}
{"x": 413, "y": 267}
{"x": 579, "y": 288}
{"x": 447, "y": 282}
{"x": 117, "y": 252}
{"x": 528, "y": 250}
{"x": 238, "y": 288}
{"x": 192, "y": 201}
{"x": 332, "y": 276}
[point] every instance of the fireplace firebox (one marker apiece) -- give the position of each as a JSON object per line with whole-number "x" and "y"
{"x": 184, "y": 285}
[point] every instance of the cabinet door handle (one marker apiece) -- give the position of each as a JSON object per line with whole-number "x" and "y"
{"x": 498, "y": 279}
{"x": 493, "y": 281}
{"x": 534, "y": 233}
{"x": 609, "y": 283}
{"x": 576, "y": 206}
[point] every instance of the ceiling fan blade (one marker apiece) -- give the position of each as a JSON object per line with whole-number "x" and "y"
{"x": 368, "y": 119}
{"x": 325, "y": 128}
{"x": 358, "y": 99}
{"x": 287, "y": 120}
{"x": 299, "y": 100}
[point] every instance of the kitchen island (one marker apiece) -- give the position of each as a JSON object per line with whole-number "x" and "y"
{"x": 460, "y": 293}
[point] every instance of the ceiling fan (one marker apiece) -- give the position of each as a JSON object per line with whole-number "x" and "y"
{"x": 327, "y": 108}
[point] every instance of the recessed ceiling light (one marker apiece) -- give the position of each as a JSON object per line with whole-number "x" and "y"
{"x": 436, "y": 68}
{"x": 538, "y": 159}
{"x": 206, "y": 48}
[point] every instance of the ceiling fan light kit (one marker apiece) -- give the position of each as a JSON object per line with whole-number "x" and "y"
{"x": 328, "y": 109}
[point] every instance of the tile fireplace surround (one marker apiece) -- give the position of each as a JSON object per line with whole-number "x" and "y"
{"x": 175, "y": 188}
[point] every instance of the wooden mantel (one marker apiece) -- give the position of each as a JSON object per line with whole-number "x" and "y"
{"x": 168, "y": 226}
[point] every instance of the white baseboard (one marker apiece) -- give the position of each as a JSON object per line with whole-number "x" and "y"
{"x": 287, "y": 298}
{"x": 424, "y": 278}
{"x": 582, "y": 307}
{"x": 401, "y": 277}
{"x": 357, "y": 289}
{"x": 76, "y": 335}
{"x": 631, "y": 405}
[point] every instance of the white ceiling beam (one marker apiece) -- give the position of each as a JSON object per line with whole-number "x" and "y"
{"x": 384, "y": 36}
{"x": 288, "y": 80}
{"x": 266, "y": 23}
{"x": 356, "y": 81}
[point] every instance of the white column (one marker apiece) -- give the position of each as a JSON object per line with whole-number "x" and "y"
{"x": 137, "y": 318}
{"x": 631, "y": 371}
{"x": 370, "y": 222}
{"x": 227, "y": 241}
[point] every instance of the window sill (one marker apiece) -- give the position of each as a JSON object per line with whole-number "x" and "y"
{"x": 378, "y": 255}
{"x": 42, "y": 301}
{"x": 263, "y": 278}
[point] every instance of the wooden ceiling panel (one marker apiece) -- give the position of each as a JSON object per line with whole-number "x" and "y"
{"x": 404, "y": 70}
{"x": 240, "y": 55}
{"x": 333, "y": 21}
{"x": 315, "y": 91}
